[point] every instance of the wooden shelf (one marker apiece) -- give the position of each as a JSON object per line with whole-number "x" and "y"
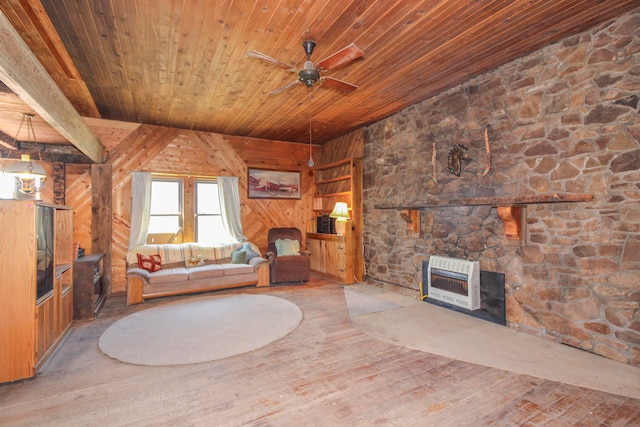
{"x": 342, "y": 193}
{"x": 62, "y": 268}
{"x": 491, "y": 201}
{"x": 334, "y": 164}
{"x": 89, "y": 290}
{"x": 511, "y": 210}
{"x": 336, "y": 179}
{"x": 339, "y": 181}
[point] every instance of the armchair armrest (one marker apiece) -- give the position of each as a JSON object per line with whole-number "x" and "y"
{"x": 271, "y": 257}
{"x": 305, "y": 253}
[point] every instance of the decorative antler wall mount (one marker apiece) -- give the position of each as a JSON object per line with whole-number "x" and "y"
{"x": 458, "y": 153}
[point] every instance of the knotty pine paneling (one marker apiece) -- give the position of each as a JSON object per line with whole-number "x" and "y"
{"x": 78, "y": 196}
{"x": 110, "y": 132}
{"x": 168, "y": 150}
{"x": 344, "y": 147}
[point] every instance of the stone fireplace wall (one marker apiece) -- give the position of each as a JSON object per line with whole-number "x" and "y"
{"x": 564, "y": 119}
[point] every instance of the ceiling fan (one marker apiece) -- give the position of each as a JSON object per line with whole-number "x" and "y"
{"x": 310, "y": 73}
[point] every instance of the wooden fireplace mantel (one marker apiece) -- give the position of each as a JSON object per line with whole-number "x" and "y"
{"x": 511, "y": 210}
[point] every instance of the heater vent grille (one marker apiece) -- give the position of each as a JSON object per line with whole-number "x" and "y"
{"x": 454, "y": 281}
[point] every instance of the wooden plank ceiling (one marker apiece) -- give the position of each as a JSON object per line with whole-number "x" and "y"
{"x": 184, "y": 63}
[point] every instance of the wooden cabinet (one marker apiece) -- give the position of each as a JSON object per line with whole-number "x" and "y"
{"x": 330, "y": 255}
{"x": 338, "y": 256}
{"x": 36, "y": 283}
{"x": 88, "y": 286}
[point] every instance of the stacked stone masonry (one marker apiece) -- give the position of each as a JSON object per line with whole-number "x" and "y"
{"x": 564, "y": 119}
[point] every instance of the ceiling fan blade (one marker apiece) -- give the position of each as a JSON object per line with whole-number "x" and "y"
{"x": 270, "y": 60}
{"x": 283, "y": 88}
{"x": 341, "y": 57}
{"x": 336, "y": 84}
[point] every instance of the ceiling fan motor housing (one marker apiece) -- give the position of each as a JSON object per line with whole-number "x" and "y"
{"x": 309, "y": 75}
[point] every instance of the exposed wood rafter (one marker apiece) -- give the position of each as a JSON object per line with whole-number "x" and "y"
{"x": 23, "y": 74}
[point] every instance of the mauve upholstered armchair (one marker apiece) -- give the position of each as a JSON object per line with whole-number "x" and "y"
{"x": 288, "y": 266}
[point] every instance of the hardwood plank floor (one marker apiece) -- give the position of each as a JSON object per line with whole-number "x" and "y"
{"x": 325, "y": 373}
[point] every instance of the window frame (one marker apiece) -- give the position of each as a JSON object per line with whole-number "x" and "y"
{"x": 188, "y": 203}
{"x": 181, "y": 219}
{"x": 196, "y": 215}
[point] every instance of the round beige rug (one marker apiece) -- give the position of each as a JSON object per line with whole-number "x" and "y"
{"x": 199, "y": 330}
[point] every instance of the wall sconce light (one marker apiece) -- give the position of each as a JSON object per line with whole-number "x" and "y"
{"x": 341, "y": 214}
{"x": 30, "y": 174}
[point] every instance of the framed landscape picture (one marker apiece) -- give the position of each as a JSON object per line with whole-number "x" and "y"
{"x": 273, "y": 184}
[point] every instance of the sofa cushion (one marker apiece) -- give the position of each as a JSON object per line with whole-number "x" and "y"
{"x": 205, "y": 271}
{"x": 169, "y": 275}
{"x": 233, "y": 269}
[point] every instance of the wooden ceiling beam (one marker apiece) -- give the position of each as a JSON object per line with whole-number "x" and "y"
{"x": 23, "y": 74}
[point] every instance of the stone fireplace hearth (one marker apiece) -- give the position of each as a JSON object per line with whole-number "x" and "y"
{"x": 564, "y": 119}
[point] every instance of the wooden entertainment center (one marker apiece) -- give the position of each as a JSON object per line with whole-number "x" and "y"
{"x": 36, "y": 284}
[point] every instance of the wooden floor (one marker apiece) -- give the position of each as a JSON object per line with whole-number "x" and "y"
{"x": 325, "y": 373}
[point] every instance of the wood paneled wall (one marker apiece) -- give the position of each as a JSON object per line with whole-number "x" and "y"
{"x": 344, "y": 147}
{"x": 169, "y": 150}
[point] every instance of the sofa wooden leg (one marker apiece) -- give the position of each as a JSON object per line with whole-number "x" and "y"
{"x": 263, "y": 275}
{"x": 134, "y": 291}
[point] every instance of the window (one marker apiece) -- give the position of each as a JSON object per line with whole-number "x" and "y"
{"x": 7, "y": 186}
{"x": 184, "y": 209}
{"x": 208, "y": 217}
{"x": 166, "y": 207}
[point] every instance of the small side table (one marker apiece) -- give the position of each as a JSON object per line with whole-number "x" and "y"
{"x": 88, "y": 287}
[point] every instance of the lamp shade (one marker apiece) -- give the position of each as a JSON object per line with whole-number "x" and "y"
{"x": 26, "y": 169}
{"x": 29, "y": 174}
{"x": 340, "y": 212}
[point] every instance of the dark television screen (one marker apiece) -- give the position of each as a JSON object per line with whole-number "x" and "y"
{"x": 45, "y": 273}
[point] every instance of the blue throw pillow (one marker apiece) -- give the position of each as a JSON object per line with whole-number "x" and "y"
{"x": 246, "y": 247}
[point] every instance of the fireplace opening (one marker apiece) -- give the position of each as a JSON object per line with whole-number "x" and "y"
{"x": 492, "y": 292}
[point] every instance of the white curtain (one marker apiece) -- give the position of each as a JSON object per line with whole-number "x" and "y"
{"x": 140, "y": 208}
{"x": 229, "y": 196}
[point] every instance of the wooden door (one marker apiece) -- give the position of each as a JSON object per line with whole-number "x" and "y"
{"x": 316, "y": 247}
{"x": 335, "y": 258}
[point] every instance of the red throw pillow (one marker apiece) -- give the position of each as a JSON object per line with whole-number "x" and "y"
{"x": 150, "y": 263}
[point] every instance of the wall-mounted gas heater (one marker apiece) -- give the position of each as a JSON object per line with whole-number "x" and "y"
{"x": 454, "y": 281}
